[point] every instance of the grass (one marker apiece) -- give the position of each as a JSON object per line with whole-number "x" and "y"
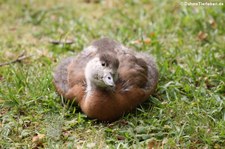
{"x": 186, "y": 111}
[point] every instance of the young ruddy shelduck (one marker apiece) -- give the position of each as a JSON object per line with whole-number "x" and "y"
{"x": 107, "y": 79}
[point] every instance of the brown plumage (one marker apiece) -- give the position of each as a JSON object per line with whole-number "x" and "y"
{"x": 107, "y": 79}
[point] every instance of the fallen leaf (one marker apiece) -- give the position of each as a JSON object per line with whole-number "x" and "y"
{"x": 146, "y": 41}
{"x": 12, "y": 29}
{"x": 3, "y": 110}
{"x": 91, "y": 145}
{"x": 152, "y": 34}
{"x": 165, "y": 140}
{"x": 66, "y": 134}
{"x": 213, "y": 23}
{"x": 9, "y": 55}
{"x": 120, "y": 137}
{"x": 208, "y": 83}
{"x": 202, "y": 35}
{"x": 53, "y": 17}
{"x": 153, "y": 144}
{"x": 38, "y": 138}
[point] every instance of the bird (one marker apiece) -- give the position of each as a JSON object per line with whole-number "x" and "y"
{"x": 107, "y": 79}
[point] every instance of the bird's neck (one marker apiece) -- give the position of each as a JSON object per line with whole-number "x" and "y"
{"x": 88, "y": 75}
{"x": 90, "y": 86}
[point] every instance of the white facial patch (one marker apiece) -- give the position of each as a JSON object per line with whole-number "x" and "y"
{"x": 92, "y": 69}
{"x": 97, "y": 75}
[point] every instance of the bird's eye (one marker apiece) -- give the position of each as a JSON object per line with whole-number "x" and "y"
{"x": 103, "y": 64}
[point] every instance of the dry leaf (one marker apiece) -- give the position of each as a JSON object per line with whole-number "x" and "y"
{"x": 120, "y": 138}
{"x": 146, "y": 41}
{"x": 213, "y": 23}
{"x": 12, "y": 28}
{"x": 91, "y": 145}
{"x": 153, "y": 144}
{"x": 3, "y": 110}
{"x": 38, "y": 141}
{"x": 38, "y": 138}
{"x": 152, "y": 34}
{"x": 202, "y": 36}
{"x": 53, "y": 17}
{"x": 165, "y": 140}
{"x": 66, "y": 134}
{"x": 9, "y": 55}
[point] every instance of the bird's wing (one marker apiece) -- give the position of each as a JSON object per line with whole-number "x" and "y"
{"x": 132, "y": 71}
{"x": 153, "y": 74}
{"x": 136, "y": 70}
{"x": 60, "y": 76}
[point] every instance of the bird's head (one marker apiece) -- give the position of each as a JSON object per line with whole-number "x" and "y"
{"x": 101, "y": 71}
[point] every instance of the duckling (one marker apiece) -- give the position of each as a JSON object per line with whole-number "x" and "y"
{"x": 107, "y": 79}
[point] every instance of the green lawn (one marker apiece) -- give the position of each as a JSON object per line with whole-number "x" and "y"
{"x": 186, "y": 111}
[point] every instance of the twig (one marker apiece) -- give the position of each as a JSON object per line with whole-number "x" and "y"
{"x": 61, "y": 42}
{"x": 18, "y": 59}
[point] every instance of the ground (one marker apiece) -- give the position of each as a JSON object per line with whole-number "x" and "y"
{"x": 186, "y": 111}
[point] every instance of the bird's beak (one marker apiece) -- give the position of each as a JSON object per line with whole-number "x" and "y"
{"x": 108, "y": 80}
